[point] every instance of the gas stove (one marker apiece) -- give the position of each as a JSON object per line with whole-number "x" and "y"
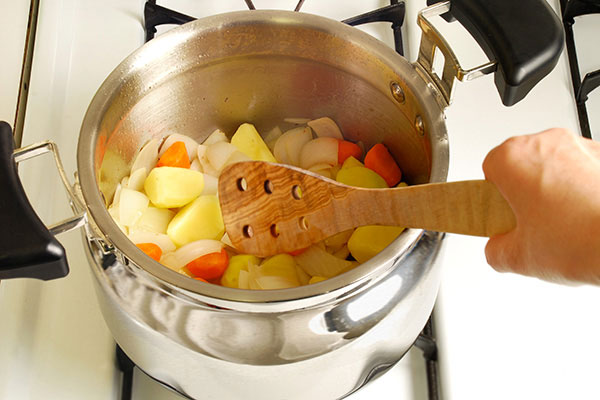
{"x": 499, "y": 336}
{"x": 580, "y": 18}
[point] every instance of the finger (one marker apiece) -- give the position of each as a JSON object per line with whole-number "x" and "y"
{"x": 501, "y": 158}
{"x": 502, "y": 252}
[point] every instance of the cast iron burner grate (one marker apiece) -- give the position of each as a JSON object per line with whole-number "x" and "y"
{"x": 581, "y": 88}
{"x": 156, "y": 15}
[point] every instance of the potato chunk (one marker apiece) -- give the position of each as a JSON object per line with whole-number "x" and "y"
{"x": 170, "y": 187}
{"x": 367, "y": 241}
{"x": 360, "y": 177}
{"x": 249, "y": 142}
{"x": 201, "y": 219}
{"x": 237, "y": 263}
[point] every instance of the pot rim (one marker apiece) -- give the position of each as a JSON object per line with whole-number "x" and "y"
{"x": 169, "y": 41}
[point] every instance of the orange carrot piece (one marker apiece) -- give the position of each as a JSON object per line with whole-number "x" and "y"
{"x": 381, "y": 161}
{"x": 175, "y": 156}
{"x": 200, "y": 279}
{"x": 209, "y": 266}
{"x": 348, "y": 149}
{"x": 152, "y": 250}
{"x": 297, "y": 252}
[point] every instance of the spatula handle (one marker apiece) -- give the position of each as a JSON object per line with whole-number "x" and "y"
{"x": 466, "y": 207}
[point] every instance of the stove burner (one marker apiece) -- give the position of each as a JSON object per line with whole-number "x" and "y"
{"x": 393, "y": 13}
{"x": 155, "y": 15}
{"x": 581, "y": 88}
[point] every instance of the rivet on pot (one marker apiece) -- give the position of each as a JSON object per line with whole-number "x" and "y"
{"x": 397, "y": 92}
{"x": 419, "y": 125}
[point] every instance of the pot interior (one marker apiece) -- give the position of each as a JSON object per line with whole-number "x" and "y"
{"x": 258, "y": 67}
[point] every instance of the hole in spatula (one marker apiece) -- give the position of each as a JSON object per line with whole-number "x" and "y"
{"x": 242, "y": 185}
{"x": 268, "y": 187}
{"x": 274, "y": 230}
{"x": 303, "y": 223}
{"x": 296, "y": 192}
{"x": 247, "y": 231}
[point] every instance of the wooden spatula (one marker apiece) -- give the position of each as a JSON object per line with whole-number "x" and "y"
{"x": 272, "y": 208}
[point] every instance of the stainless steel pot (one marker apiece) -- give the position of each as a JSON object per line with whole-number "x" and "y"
{"x": 324, "y": 340}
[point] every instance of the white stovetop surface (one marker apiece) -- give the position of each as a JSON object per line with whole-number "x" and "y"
{"x": 500, "y": 336}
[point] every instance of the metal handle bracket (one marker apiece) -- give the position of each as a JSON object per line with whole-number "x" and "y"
{"x": 432, "y": 40}
{"x": 37, "y": 149}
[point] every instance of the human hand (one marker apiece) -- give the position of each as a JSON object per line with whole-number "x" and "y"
{"x": 552, "y": 182}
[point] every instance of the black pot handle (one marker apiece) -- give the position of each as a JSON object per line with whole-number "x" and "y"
{"x": 27, "y": 248}
{"x": 524, "y": 37}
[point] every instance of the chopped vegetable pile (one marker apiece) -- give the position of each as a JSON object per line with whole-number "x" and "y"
{"x": 168, "y": 205}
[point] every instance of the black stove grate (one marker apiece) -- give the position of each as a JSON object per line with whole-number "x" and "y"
{"x": 156, "y": 15}
{"x": 581, "y": 88}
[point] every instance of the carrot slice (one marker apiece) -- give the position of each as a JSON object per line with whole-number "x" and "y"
{"x": 348, "y": 149}
{"x": 297, "y": 252}
{"x": 209, "y": 266}
{"x": 175, "y": 156}
{"x": 152, "y": 250}
{"x": 381, "y": 161}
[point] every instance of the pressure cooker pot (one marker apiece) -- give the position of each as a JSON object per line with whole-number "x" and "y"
{"x": 323, "y": 340}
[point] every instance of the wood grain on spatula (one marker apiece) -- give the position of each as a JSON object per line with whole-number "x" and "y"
{"x": 272, "y": 208}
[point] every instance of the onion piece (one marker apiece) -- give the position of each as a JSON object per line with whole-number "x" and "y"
{"x": 334, "y": 170}
{"x": 218, "y": 153}
{"x": 253, "y": 274}
{"x": 207, "y": 167}
{"x": 227, "y": 241}
{"x": 132, "y": 205}
{"x": 271, "y": 137}
{"x": 183, "y": 255}
{"x": 323, "y": 150}
{"x": 186, "y": 272}
{"x": 196, "y": 166}
{"x": 302, "y": 276}
{"x": 190, "y": 144}
{"x": 325, "y": 127}
{"x": 137, "y": 179}
{"x": 274, "y": 282}
{"x": 315, "y": 261}
{"x": 236, "y": 157}
{"x": 323, "y": 170}
{"x": 337, "y": 241}
{"x": 217, "y": 136}
{"x": 289, "y": 145}
{"x": 161, "y": 240}
{"x": 114, "y": 213}
{"x": 155, "y": 220}
{"x": 147, "y": 156}
{"x": 211, "y": 185}
{"x": 343, "y": 252}
{"x": 296, "y": 121}
{"x": 201, "y": 151}
{"x": 243, "y": 280}
{"x": 117, "y": 196}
